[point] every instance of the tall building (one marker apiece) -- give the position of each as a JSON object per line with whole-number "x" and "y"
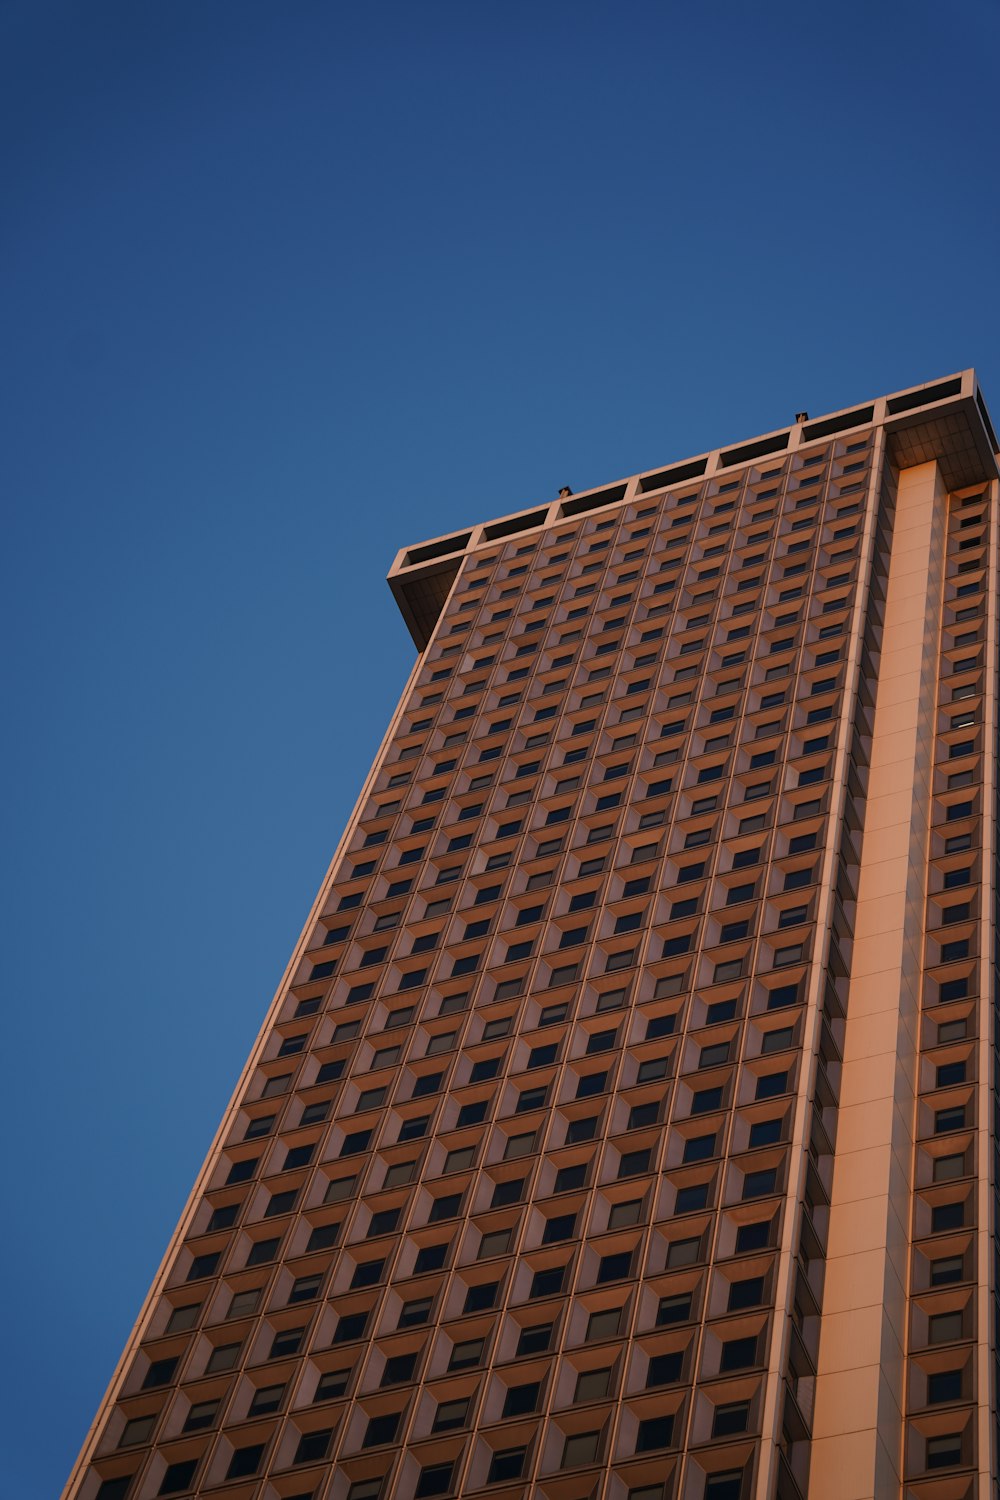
{"x": 621, "y": 1129}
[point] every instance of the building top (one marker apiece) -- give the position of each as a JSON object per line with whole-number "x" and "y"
{"x": 945, "y": 420}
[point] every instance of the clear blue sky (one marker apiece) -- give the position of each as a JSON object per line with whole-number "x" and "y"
{"x": 284, "y": 287}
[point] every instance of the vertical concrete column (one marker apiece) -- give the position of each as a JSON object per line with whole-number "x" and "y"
{"x": 858, "y": 1418}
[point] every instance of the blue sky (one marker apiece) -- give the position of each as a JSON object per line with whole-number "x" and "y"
{"x": 285, "y": 287}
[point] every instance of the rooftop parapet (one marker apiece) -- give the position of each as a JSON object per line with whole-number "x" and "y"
{"x": 945, "y": 420}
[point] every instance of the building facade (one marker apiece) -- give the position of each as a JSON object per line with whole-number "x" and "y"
{"x": 622, "y": 1128}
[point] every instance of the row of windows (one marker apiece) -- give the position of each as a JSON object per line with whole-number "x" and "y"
{"x": 432, "y": 1478}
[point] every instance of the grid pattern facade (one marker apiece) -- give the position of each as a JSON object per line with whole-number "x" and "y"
{"x": 527, "y": 1188}
{"x": 948, "y": 1205}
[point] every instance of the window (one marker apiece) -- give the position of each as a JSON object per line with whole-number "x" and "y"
{"x": 245, "y": 1461}
{"x": 507, "y": 1463}
{"x": 481, "y": 1297}
{"x": 534, "y": 1339}
{"x": 731, "y": 1418}
{"x": 287, "y": 1341}
{"x": 430, "y": 1258}
{"x": 530, "y": 1099}
{"x": 614, "y": 1267}
{"x": 450, "y": 1414}
{"x": 472, "y": 1114}
{"x": 243, "y": 1170}
{"x": 266, "y": 1399}
{"x": 945, "y": 1216}
{"x": 753, "y": 1236}
{"x": 139, "y": 1429}
{"x": 355, "y": 1142}
{"x": 540, "y": 1057}
{"x": 521, "y": 1399}
{"x": 547, "y": 1283}
{"x": 467, "y": 1355}
{"x": 660, "y": 1026}
{"x": 698, "y": 1148}
{"x": 944, "y": 1451}
{"x": 507, "y": 1192}
{"x": 331, "y": 1384}
{"x": 380, "y": 1429}
{"x": 945, "y": 1328}
{"x": 946, "y": 1168}
{"x": 223, "y": 1357}
{"x": 676, "y": 1309}
{"x": 738, "y": 1354}
{"x": 738, "y": 893}
{"x": 664, "y": 1369}
{"x": 580, "y": 1448}
{"x": 633, "y": 1163}
{"x": 624, "y": 1215}
{"x": 178, "y": 1476}
{"x": 350, "y": 1327}
{"x": 569, "y": 1178}
{"x": 313, "y": 1446}
{"x": 592, "y": 1385}
{"x": 683, "y": 1253}
{"x": 305, "y": 1289}
{"x": 771, "y": 1084}
{"x": 676, "y": 945}
{"x": 944, "y": 1385}
{"x": 748, "y": 1293}
{"x": 765, "y": 1133}
{"x": 329, "y": 1071}
{"x": 281, "y": 1203}
{"x": 777, "y": 1040}
{"x": 434, "y": 1480}
{"x": 653, "y": 1433}
{"x": 415, "y": 1313}
{"x": 728, "y": 971}
{"x": 299, "y": 1156}
{"x": 603, "y": 1324}
{"x": 187, "y": 1316}
{"x": 946, "y": 1270}
{"x": 724, "y": 1486}
{"x": 204, "y": 1265}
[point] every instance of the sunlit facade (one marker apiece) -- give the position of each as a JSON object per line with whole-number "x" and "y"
{"x": 622, "y": 1129}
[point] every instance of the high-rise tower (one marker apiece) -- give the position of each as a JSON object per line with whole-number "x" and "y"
{"x": 622, "y": 1128}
